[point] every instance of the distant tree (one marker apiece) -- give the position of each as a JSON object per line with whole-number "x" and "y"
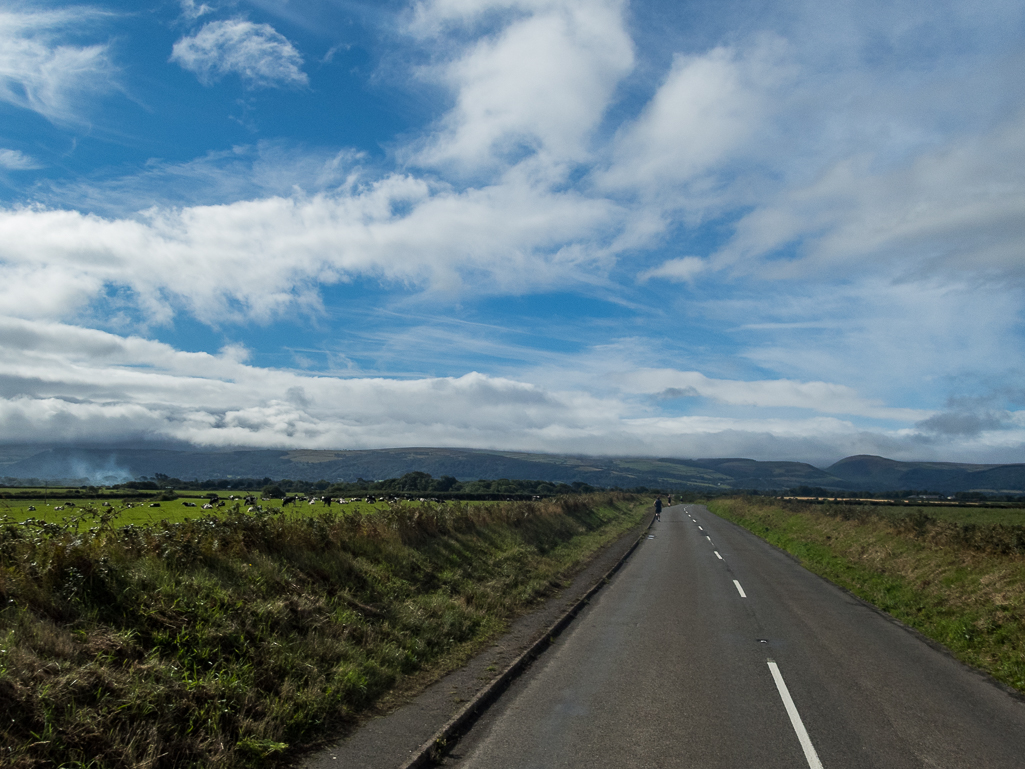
{"x": 444, "y": 483}
{"x": 273, "y": 492}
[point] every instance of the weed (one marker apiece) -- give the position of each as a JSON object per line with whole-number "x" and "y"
{"x": 232, "y": 641}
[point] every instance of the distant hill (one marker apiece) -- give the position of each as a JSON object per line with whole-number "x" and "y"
{"x": 104, "y": 466}
{"x": 878, "y": 473}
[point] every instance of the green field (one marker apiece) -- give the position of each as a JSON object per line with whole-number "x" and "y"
{"x": 1007, "y": 516}
{"x": 142, "y": 511}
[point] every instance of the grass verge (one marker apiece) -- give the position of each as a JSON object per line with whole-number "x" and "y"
{"x": 235, "y": 641}
{"x": 959, "y": 583}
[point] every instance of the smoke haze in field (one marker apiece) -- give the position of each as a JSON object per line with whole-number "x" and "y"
{"x": 784, "y": 231}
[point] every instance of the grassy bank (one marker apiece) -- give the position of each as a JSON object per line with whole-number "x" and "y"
{"x": 958, "y": 582}
{"x": 233, "y": 641}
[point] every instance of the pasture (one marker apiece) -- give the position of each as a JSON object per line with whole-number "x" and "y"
{"x": 137, "y": 510}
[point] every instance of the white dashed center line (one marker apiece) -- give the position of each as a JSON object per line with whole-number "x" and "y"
{"x": 795, "y": 718}
{"x": 740, "y": 589}
{"x": 717, "y": 554}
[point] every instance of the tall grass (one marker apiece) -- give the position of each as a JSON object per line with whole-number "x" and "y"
{"x": 961, "y": 584}
{"x": 233, "y": 641}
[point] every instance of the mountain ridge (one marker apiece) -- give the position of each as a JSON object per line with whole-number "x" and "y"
{"x": 105, "y": 466}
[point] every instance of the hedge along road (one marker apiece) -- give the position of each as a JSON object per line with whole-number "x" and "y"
{"x": 712, "y": 649}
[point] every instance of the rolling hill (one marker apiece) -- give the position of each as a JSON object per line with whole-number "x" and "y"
{"x": 104, "y": 466}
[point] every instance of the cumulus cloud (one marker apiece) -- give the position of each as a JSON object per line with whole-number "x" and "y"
{"x": 701, "y": 116}
{"x": 538, "y": 86}
{"x": 257, "y": 53}
{"x": 255, "y": 259}
{"x": 41, "y": 71}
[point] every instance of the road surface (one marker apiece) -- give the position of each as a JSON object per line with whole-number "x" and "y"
{"x": 712, "y": 649}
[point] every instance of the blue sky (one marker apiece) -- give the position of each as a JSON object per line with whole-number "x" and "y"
{"x": 691, "y": 229}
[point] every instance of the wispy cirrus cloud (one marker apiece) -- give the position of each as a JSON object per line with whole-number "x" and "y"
{"x": 192, "y": 10}
{"x": 43, "y": 71}
{"x": 260, "y": 55}
{"x": 16, "y": 160}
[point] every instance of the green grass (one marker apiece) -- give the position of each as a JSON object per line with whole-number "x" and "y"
{"x": 144, "y": 511}
{"x": 1010, "y": 516}
{"x": 234, "y": 641}
{"x": 953, "y": 578}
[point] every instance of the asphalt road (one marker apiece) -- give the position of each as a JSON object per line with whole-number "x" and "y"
{"x": 712, "y": 649}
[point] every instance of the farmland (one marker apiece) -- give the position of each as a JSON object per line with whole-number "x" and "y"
{"x": 53, "y": 506}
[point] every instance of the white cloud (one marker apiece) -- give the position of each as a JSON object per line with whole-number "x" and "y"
{"x": 700, "y": 117}
{"x": 957, "y": 210}
{"x": 257, "y": 259}
{"x": 15, "y": 160}
{"x": 538, "y": 86}
{"x": 192, "y": 11}
{"x": 39, "y": 71}
{"x": 244, "y": 172}
{"x": 677, "y": 270}
{"x": 257, "y": 53}
{"x": 824, "y": 397}
{"x": 84, "y": 384}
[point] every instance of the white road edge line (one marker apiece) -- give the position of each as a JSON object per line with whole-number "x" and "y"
{"x": 740, "y": 589}
{"x": 717, "y": 554}
{"x": 795, "y": 717}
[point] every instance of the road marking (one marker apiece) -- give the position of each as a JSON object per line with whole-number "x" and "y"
{"x": 740, "y": 589}
{"x": 700, "y": 528}
{"x": 717, "y": 554}
{"x": 795, "y": 718}
{"x": 708, "y": 538}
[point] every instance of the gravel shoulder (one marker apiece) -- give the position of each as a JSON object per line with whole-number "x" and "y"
{"x": 391, "y": 740}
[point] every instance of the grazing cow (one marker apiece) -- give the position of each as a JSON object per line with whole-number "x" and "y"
{"x": 188, "y": 504}
{"x": 287, "y": 501}
{"x": 327, "y": 501}
{"x": 31, "y": 508}
{"x": 208, "y": 506}
{"x": 250, "y": 500}
{"x": 154, "y": 504}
